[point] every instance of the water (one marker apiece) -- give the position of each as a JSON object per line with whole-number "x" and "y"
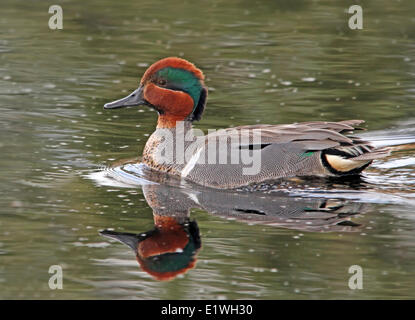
{"x": 265, "y": 62}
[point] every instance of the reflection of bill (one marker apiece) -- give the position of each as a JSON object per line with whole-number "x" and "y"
{"x": 166, "y": 251}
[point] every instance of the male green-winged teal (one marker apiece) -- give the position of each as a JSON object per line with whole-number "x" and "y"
{"x": 175, "y": 88}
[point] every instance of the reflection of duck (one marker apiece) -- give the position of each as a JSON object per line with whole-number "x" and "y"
{"x": 166, "y": 251}
{"x": 171, "y": 247}
{"x": 175, "y": 88}
{"x": 275, "y": 208}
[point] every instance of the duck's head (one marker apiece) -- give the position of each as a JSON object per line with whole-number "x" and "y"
{"x": 172, "y": 86}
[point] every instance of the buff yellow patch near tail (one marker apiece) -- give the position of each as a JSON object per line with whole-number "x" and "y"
{"x": 344, "y": 165}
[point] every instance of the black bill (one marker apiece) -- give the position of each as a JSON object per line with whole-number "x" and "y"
{"x": 133, "y": 99}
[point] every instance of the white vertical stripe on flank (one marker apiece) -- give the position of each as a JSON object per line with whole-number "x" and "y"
{"x": 192, "y": 162}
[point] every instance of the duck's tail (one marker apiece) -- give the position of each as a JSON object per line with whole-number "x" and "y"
{"x": 394, "y": 143}
{"x": 346, "y": 161}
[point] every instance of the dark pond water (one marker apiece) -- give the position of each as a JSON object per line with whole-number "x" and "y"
{"x": 265, "y": 62}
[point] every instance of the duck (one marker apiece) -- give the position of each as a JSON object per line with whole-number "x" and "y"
{"x": 176, "y": 89}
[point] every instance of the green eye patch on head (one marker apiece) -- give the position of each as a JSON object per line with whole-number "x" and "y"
{"x": 181, "y": 80}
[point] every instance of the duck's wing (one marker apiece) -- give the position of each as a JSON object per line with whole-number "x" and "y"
{"x": 320, "y": 135}
{"x": 311, "y": 136}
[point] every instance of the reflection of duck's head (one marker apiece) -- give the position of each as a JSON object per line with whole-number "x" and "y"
{"x": 166, "y": 251}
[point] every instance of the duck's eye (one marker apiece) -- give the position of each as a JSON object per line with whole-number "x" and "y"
{"x": 161, "y": 82}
